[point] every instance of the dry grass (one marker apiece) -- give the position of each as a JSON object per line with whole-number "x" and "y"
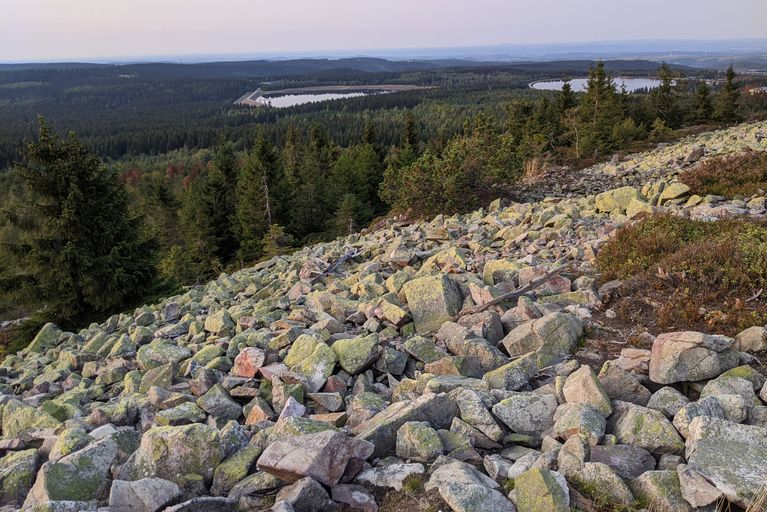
{"x": 759, "y": 503}
{"x": 743, "y": 174}
{"x": 685, "y": 274}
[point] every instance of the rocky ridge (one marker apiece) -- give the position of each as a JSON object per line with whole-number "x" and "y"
{"x": 314, "y": 381}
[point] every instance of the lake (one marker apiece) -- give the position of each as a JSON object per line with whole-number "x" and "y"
{"x": 579, "y": 84}
{"x": 291, "y": 100}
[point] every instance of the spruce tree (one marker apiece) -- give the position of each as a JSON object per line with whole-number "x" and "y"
{"x": 208, "y": 212}
{"x": 81, "y": 253}
{"x": 727, "y": 100}
{"x": 702, "y": 107}
{"x": 349, "y": 214}
{"x": 256, "y": 197}
{"x": 566, "y": 97}
{"x": 599, "y": 111}
{"x": 665, "y": 99}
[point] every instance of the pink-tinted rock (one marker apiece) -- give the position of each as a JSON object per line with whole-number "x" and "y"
{"x": 323, "y": 456}
{"x": 248, "y": 362}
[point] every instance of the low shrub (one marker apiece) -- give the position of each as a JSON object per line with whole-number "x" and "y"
{"x": 681, "y": 273}
{"x": 742, "y": 174}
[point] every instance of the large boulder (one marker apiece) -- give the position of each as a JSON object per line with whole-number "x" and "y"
{"x": 553, "y": 337}
{"x": 541, "y": 490}
{"x": 175, "y": 453}
{"x": 417, "y": 441}
{"x": 433, "y": 300}
{"x": 145, "y": 495}
{"x": 583, "y": 387}
{"x": 81, "y": 476}
{"x": 17, "y": 474}
{"x": 356, "y": 355}
{"x": 730, "y": 456}
{"x": 527, "y": 413}
{"x": 48, "y": 337}
{"x": 466, "y": 489}
{"x": 646, "y": 428}
{"x": 690, "y": 356}
{"x": 616, "y": 200}
{"x": 324, "y": 456}
{"x": 381, "y": 430}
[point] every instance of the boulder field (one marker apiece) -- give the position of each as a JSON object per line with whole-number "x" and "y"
{"x": 382, "y": 363}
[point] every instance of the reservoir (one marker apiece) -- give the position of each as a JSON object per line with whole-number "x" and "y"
{"x": 579, "y": 84}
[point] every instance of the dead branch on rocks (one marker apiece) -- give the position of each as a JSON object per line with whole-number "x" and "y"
{"x": 535, "y": 283}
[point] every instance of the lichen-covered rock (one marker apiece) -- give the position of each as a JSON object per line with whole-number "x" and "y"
{"x": 433, "y": 300}
{"x": 48, "y": 337}
{"x": 233, "y": 470}
{"x": 220, "y": 323}
{"x": 357, "y": 354}
{"x": 596, "y": 475}
{"x": 646, "y": 428}
{"x": 81, "y": 476}
{"x": 323, "y": 456}
{"x": 541, "y": 490}
{"x": 465, "y": 489}
{"x": 417, "y": 441}
{"x": 616, "y": 200}
{"x": 390, "y": 475}
{"x": 17, "y": 474}
{"x": 583, "y": 387}
{"x": 627, "y": 460}
{"x": 660, "y": 489}
{"x": 668, "y": 401}
{"x": 145, "y": 495}
{"x": 580, "y": 420}
{"x": 690, "y": 356}
{"x": 381, "y": 430}
{"x": 553, "y": 337}
{"x": 527, "y": 413}
{"x": 172, "y": 453}
{"x": 729, "y": 455}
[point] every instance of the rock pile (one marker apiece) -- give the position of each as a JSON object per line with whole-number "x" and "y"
{"x": 288, "y": 386}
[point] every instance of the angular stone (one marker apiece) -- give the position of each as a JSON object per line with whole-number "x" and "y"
{"x": 305, "y": 495}
{"x": 381, "y": 430}
{"x": 660, "y": 489}
{"x": 145, "y": 495}
{"x": 433, "y": 300}
{"x": 616, "y": 200}
{"x": 527, "y": 413}
{"x": 217, "y": 402}
{"x": 668, "y": 401}
{"x": 465, "y": 489}
{"x": 390, "y": 475}
{"x": 423, "y": 349}
{"x": 233, "y": 470}
{"x": 553, "y": 337}
{"x": 541, "y": 490}
{"x": 696, "y": 490}
{"x": 356, "y": 496}
{"x": 646, "y": 428}
{"x": 17, "y": 474}
{"x": 417, "y": 441}
{"x": 356, "y": 355}
{"x": 753, "y": 339}
{"x": 621, "y": 385}
{"x": 628, "y": 461}
{"x": 220, "y": 323}
{"x": 580, "y": 420}
{"x": 730, "y": 456}
{"x": 323, "y": 456}
{"x": 81, "y": 476}
{"x": 690, "y": 356}
{"x": 48, "y": 337}
{"x": 172, "y": 453}
{"x": 703, "y": 407}
{"x": 583, "y": 387}
{"x": 248, "y": 362}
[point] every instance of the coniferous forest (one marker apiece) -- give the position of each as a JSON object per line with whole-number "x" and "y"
{"x": 123, "y": 182}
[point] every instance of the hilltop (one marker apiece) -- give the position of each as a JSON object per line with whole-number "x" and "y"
{"x": 496, "y": 360}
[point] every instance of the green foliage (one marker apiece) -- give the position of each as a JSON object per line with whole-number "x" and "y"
{"x": 699, "y": 274}
{"x": 276, "y": 241}
{"x": 659, "y": 130}
{"x": 702, "y": 108}
{"x": 258, "y": 184}
{"x": 665, "y": 98}
{"x": 600, "y": 110}
{"x": 350, "y": 214}
{"x": 80, "y": 253}
{"x": 727, "y": 100}
{"x": 208, "y": 212}
{"x": 458, "y": 179}
{"x": 743, "y": 174}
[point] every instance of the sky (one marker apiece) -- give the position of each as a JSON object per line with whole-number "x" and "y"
{"x": 39, "y": 30}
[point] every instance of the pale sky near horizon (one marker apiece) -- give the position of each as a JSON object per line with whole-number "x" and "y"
{"x": 37, "y": 30}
